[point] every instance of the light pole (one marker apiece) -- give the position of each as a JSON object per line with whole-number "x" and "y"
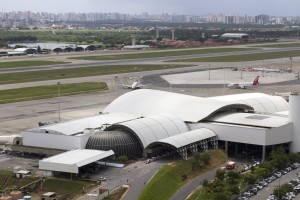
{"x": 279, "y": 187}
{"x": 291, "y": 58}
{"x": 242, "y": 70}
{"x": 224, "y": 81}
{"x": 171, "y": 72}
{"x": 209, "y": 72}
{"x": 58, "y": 99}
{"x": 263, "y": 68}
{"x": 281, "y": 65}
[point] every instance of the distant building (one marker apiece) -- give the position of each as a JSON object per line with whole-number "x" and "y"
{"x": 243, "y": 36}
{"x": 262, "y": 19}
{"x": 136, "y": 47}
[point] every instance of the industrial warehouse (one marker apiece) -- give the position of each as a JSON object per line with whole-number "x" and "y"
{"x": 143, "y": 122}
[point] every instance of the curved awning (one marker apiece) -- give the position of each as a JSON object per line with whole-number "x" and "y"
{"x": 186, "y": 138}
{"x": 153, "y": 128}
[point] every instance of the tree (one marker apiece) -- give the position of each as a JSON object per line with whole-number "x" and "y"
{"x": 234, "y": 189}
{"x": 249, "y": 178}
{"x": 282, "y": 190}
{"x": 222, "y": 195}
{"x": 220, "y": 174}
{"x": 262, "y": 172}
{"x": 293, "y": 157}
{"x": 38, "y": 49}
{"x": 279, "y": 158}
{"x": 233, "y": 175}
{"x": 205, "y": 158}
{"x": 205, "y": 183}
{"x": 267, "y": 165}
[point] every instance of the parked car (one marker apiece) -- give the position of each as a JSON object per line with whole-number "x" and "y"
{"x": 277, "y": 174}
{"x": 101, "y": 178}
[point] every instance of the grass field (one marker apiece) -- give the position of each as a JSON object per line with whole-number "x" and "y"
{"x": 243, "y": 58}
{"x": 79, "y": 72}
{"x": 28, "y": 64}
{"x": 70, "y": 187}
{"x": 43, "y": 92}
{"x": 169, "y": 179}
{"x": 161, "y": 54}
{"x": 280, "y": 45}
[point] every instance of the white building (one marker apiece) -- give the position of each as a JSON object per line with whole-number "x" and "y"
{"x": 142, "y": 120}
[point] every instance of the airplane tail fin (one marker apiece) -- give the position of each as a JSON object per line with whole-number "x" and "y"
{"x": 255, "y": 82}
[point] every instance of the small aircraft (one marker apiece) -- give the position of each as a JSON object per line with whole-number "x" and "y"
{"x": 244, "y": 85}
{"x": 135, "y": 85}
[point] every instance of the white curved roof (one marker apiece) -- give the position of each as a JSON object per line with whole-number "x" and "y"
{"x": 145, "y": 102}
{"x": 187, "y": 138}
{"x": 260, "y": 102}
{"x": 77, "y": 126}
{"x": 155, "y": 128}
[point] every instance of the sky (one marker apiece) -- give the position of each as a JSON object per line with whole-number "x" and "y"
{"x": 193, "y": 7}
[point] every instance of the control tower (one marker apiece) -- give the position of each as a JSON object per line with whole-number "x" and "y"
{"x": 294, "y": 116}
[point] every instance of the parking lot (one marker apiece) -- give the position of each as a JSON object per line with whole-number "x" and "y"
{"x": 264, "y": 193}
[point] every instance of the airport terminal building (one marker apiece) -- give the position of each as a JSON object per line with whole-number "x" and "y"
{"x": 142, "y": 122}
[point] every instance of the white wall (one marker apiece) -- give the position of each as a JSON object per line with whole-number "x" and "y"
{"x": 279, "y": 135}
{"x": 248, "y": 135}
{"x": 294, "y": 115}
{"x": 54, "y": 141}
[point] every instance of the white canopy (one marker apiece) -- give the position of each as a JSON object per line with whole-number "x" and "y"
{"x": 70, "y": 161}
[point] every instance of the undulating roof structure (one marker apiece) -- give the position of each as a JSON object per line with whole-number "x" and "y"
{"x": 145, "y": 103}
{"x": 261, "y": 103}
{"x": 152, "y": 128}
{"x": 78, "y": 126}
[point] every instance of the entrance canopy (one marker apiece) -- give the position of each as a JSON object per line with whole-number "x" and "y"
{"x": 70, "y": 161}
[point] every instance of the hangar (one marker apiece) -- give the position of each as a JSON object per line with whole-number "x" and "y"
{"x": 141, "y": 122}
{"x": 235, "y": 36}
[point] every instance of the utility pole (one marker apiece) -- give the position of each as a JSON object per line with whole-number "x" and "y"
{"x": 58, "y": 99}
{"x": 291, "y": 58}
{"x": 224, "y": 81}
{"x": 209, "y": 72}
{"x": 171, "y": 72}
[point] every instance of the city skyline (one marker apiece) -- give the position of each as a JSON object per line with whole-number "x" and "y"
{"x": 194, "y": 7}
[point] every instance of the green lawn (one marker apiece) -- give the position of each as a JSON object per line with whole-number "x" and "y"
{"x": 79, "y": 72}
{"x": 63, "y": 186}
{"x": 170, "y": 178}
{"x": 28, "y": 64}
{"x": 71, "y": 187}
{"x": 161, "y": 54}
{"x": 43, "y": 92}
{"x": 243, "y": 58}
{"x": 280, "y": 45}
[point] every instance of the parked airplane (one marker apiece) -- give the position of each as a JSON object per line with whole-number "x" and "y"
{"x": 135, "y": 85}
{"x": 244, "y": 85}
